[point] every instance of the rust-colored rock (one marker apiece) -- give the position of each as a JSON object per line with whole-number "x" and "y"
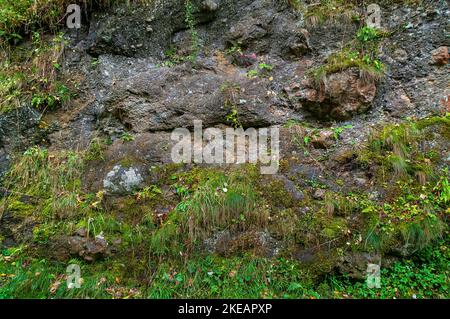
{"x": 440, "y": 56}
{"x": 324, "y": 139}
{"x": 340, "y": 96}
{"x": 88, "y": 248}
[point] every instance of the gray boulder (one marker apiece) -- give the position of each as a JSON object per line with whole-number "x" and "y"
{"x": 122, "y": 180}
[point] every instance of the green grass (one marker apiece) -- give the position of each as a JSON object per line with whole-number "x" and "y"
{"x": 160, "y": 257}
{"x": 372, "y": 69}
{"x": 425, "y": 276}
{"x": 328, "y": 11}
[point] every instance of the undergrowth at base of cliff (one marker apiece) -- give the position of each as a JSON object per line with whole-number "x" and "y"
{"x": 212, "y": 232}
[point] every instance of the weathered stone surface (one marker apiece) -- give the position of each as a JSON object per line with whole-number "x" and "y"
{"x": 142, "y": 30}
{"x": 319, "y": 194}
{"x": 157, "y": 99}
{"x": 226, "y": 243}
{"x": 440, "y": 56}
{"x": 19, "y": 129}
{"x": 89, "y": 249}
{"x": 324, "y": 139}
{"x": 122, "y": 180}
{"x": 397, "y": 102}
{"x": 340, "y": 96}
{"x": 355, "y": 264}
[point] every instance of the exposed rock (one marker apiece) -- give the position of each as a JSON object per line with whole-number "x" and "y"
{"x": 319, "y": 194}
{"x": 156, "y": 99}
{"x": 142, "y": 30}
{"x": 262, "y": 29}
{"x": 244, "y": 60}
{"x": 225, "y": 243}
{"x": 440, "y": 56}
{"x": 122, "y": 180}
{"x": 82, "y": 232}
{"x": 360, "y": 181}
{"x": 210, "y": 5}
{"x": 401, "y": 55}
{"x": 19, "y": 129}
{"x": 397, "y": 102}
{"x": 355, "y": 264}
{"x": 340, "y": 96}
{"x": 324, "y": 139}
{"x": 88, "y": 248}
{"x": 15, "y": 229}
{"x": 424, "y": 84}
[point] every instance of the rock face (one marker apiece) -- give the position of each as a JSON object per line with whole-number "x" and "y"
{"x": 340, "y": 96}
{"x": 137, "y": 87}
{"x": 161, "y": 99}
{"x": 147, "y": 31}
{"x": 410, "y": 62}
{"x": 141, "y": 30}
{"x": 141, "y": 77}
{"x": 18, "y": 129}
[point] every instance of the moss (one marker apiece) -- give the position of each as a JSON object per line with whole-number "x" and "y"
{"x": 372, "y": 69}
{"x": 335, "y": 228}
{"x": 441, "y": 121}
{"x": 397, "y": 151}
{"x": 274, "y": 191}
{"x": 19, "y": 207}
{"x": 127, "y": 162}
{"x": 284, "y": 225}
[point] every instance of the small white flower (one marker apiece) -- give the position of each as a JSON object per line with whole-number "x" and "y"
{"x": 225, "y": 189}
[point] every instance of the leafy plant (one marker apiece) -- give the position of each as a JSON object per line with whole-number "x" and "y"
{"x": 367, "y": 34}
{"x": 338, "y": 130}
{"x": 127, "y": 137}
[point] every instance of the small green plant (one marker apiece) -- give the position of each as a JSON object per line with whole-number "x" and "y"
{"x": 443, "y": 189}
{"x": 190, "y": 21}
{"x": 95, "y": 62}
{"x": 233, "y": 117}
{"x": 173, "y": 58}
{"x": 230, "y": 91}
{"x": 266, "y": 67}
{"x": 236, "y": 48}
{"x": 367, "y": 34}
{"x": 127, "y": 137}
{"x": 338, "y": 130}
{"x": 263, "y": 70}
{"x": 252, "y": 74}
{"x": 372, "y": 69}
{"x": 148, "y": 193}
{"x": 306, "y": 140}
{"x": 96, "y": 151}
